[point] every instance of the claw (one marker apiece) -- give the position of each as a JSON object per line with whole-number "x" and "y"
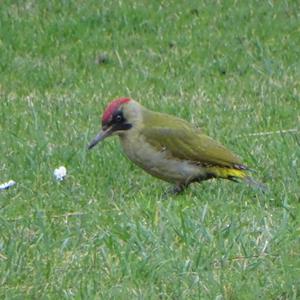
{"x": 174, "y": 190}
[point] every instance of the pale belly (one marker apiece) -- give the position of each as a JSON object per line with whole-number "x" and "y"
{"x": 159, "y": 164}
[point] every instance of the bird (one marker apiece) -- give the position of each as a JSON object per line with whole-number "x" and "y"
{"x": 168, "y": 147}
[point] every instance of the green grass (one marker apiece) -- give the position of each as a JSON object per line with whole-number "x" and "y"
{"x": 230, "y": 67}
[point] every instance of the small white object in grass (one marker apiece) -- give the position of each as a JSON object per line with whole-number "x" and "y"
{"x": 60, "y": 173}
{"x": 7, "y": 185}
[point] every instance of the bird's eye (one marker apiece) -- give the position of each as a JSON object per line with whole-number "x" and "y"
{"x": 118, "y": 118}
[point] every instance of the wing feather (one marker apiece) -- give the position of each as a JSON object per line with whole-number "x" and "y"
{"x": 182, "y": 141}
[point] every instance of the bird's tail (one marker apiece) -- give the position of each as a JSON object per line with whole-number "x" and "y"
{"x": 236, "y": 175}
{"x": 258, "y": 185}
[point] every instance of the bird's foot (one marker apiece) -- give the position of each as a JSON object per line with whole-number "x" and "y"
{"x": 174, "y": 190}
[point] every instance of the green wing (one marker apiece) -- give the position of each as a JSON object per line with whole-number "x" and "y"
{"x": 180, "y": 140}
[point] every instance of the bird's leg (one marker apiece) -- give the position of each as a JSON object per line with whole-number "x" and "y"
{"x": 176, "y": 189}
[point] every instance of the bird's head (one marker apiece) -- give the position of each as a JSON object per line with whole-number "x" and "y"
{"x": 119, "y": 116}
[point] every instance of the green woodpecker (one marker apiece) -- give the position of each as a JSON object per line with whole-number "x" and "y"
{"x": 168, "y": 147}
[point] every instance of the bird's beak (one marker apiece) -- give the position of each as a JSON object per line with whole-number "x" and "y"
{"x": 101, "y": 136}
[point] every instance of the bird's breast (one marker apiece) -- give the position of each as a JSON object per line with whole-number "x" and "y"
{"x": 158, "y": 162}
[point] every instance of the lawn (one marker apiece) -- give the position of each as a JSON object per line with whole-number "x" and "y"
{"x": 105, "y": 232}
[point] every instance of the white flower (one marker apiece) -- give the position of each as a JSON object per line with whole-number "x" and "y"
{"x": 7, "y": 185}
{"x": 60, "y": 173}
